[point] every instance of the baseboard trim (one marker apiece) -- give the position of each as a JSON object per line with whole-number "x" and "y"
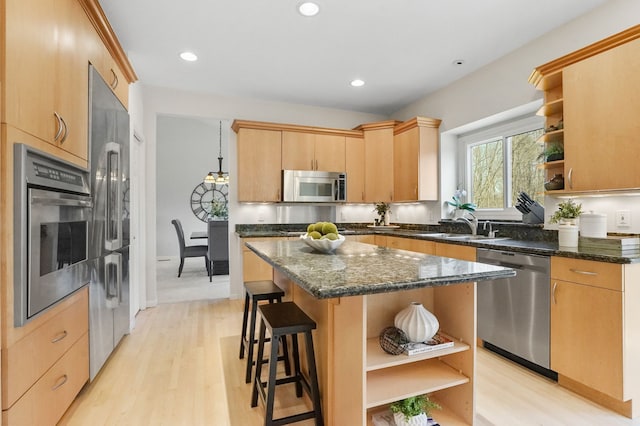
{"x": 624, "y": 408}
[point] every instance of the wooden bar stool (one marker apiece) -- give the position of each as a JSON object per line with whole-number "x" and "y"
{"x": 257, "y": 291}
{"x": 284, "y": 319}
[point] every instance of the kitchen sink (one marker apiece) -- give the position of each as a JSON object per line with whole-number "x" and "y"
{"x": 466, "y": 237}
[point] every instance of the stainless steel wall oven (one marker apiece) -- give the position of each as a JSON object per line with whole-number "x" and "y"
{"x": 52, "y": 213}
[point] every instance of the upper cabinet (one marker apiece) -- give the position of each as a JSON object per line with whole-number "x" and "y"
{"x": 46, "y": 82}
{"x": 354, "y": 163}
{"x": 415, "y": 160}
{"x": 259, "y": 164}
{"x": 378, "y": 161}
{"x": 312, "y": 151}
{"x": 591, "y": 105}
{"x": 601, "y": 110}
{"x": 49, "y": 45}
{"x": 384, "y": 161}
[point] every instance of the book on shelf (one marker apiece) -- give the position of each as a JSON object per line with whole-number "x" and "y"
{"x": 439, "y": 341}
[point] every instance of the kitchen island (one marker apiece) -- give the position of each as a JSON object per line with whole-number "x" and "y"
{"x": 353, "y": 294}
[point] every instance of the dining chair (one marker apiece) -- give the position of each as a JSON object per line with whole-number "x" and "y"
{"x": 190, "y": 251}
{"x": 218, "y": 237}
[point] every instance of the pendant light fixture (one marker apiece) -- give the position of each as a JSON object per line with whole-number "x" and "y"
{"x": 220, "y": 178}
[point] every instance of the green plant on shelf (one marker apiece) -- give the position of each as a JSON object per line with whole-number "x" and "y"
{"x": 414, "y": 406}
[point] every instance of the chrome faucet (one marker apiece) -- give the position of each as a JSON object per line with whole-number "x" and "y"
{"x": 473, "y": 223}
{"x": 491, "y": 233}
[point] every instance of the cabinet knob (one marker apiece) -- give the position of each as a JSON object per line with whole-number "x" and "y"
{"x": 553, "y": 292}
{"x": 569, "y": 175}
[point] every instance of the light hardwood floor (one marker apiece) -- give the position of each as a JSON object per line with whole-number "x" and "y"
{"x": 180, "y": 367}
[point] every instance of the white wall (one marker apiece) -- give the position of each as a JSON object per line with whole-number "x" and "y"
{"x": 161, "y": 101}
{"x": 503, "y": 86}
{"x": 186, "y": 150}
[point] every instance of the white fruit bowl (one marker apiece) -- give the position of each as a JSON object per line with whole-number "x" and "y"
{"x": 323, "y": 245}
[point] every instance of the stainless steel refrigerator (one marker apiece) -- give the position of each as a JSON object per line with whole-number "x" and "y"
{"x": 109, "y": 235}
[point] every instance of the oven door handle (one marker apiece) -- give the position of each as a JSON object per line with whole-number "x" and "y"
{"x": 47, "y": 201}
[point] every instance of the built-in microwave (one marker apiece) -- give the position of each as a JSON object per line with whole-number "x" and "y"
{"x": 309, "y": 186}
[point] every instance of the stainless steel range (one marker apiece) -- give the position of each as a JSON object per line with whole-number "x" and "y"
{"x": 52, "y": 214}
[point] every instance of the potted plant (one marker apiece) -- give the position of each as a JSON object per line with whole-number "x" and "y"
{"x": 383, "y": 210}
{"x": 413, "y": 411}
{"x": 567, "y": 212}
{"x": 459, "y": 206}
{"x": 553, "y": 152}
{"x": 219, "y": 210}
{"x": 566, "y": 216}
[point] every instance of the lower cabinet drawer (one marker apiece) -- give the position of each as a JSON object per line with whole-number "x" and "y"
{"x": 25, "y": 361}
{"x": 597, "y": 274}
{"x": 48, "y": 399}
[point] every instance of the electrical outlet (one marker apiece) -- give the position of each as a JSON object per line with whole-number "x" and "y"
{"x": 623, "y": 218}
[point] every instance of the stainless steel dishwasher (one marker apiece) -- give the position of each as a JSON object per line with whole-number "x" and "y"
{"x": 514, "y": 313}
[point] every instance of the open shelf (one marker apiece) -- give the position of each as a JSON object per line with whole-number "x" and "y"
{"x": 378, "y": 358}
{"x": 551, "y": 164}
{"x": 443, "y": 417}
{"x": 391, "y": 384}
{"x": 553, "y": 136}
{"x": 551, "y": 108}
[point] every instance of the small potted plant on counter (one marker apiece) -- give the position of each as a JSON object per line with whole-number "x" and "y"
{"x": 383, "y": 210}
{"x": 567, "y": 213}
{"x": 413, "y": 411}
{"x": 566, "y": 216}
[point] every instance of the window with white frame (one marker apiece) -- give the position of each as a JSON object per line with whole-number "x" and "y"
{"x": 502, "y": 161}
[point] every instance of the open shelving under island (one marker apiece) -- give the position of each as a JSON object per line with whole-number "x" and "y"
{"x": 353, "y": 294}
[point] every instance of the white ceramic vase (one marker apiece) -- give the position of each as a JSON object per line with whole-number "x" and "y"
{"x": 419, "y": 420}
{"x": 387, "y": 219}
{"x": 568, "y": 235}
{"x": 417, "y": 322}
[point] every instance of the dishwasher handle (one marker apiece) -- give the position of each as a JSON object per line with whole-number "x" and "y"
{"x": 508, "y": 265}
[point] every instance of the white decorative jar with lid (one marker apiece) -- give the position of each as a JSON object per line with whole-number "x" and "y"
{"x": 417, "y": 322}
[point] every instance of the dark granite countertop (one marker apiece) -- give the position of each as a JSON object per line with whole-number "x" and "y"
{"x": 358, "y": 269}
{"x": 529, "y": 246}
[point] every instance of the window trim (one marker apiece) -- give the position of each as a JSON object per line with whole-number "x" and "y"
{"x": 522, "y": 124}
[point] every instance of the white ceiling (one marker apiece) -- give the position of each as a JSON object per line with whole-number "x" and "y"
{"x": 403, "y": 49}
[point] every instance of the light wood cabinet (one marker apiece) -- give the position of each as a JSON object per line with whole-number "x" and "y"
{"x": 586, "y": 324}
{"x": 312, "y": 151}
{"x": 378, "y": 161}
{"x": 47, "y": 72}
{"x": 44, "y": 371}
{"x": 456, "y": 251}
{"x": 253, "y": 267}
{"x": 411, "y": 244}
{"x": 259, "y": 165}
{"x": 47, "y": 400}
{"x": 354, "y": 166}
{"x": 594, "y": 331}
{"x": 415, "y": 160}
{"x": 601, "y": 110}
{"x": 369, "y": 379}
{"x": 590, "y": 103}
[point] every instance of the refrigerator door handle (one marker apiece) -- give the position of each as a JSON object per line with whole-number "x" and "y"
{"x": 113, "y": 220}
{"x": 113, "y": 285}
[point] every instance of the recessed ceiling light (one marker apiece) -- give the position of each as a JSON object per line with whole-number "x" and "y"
{"x": 458, "y": 62}
{"x": 357, "y": 83}
{"x": 189, "y": 56}
{"x": 308, "y": 9}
